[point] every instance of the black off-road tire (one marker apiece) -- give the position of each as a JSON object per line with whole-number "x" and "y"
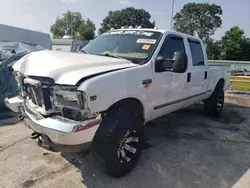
{"x": 105, "y": 147}
{"x": 213, "y": 106}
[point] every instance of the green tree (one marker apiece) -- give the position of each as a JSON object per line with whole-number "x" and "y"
{"x": 213, "y": 49}
{"x": 72, "y": 23}
{"x": 87, "y": 30}
{"x": 198, "y": 18}
{"x": 126, "y": 17}
{"x": 235, "y": 45}
{"x": 246, "y": 50}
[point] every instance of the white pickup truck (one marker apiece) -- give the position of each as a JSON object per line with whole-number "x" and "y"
{"x": 105, "y": 94}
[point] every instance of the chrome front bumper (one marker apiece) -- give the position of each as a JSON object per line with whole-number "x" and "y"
{"x": 59, "y": 130}
{"x": 13, "y": 103}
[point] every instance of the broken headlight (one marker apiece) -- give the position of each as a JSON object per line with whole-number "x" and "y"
{"x": 68, "y": 97}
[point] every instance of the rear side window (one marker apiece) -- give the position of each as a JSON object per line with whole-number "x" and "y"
{"x": 172, "y": 45}
{"x": 197, "y": 53}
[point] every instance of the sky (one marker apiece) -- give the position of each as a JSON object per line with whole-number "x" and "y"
{"x": 39, "y": 15}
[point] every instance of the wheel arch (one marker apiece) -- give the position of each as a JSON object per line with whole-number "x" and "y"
{"x": 132, "y": 103}
{"x": 221, "y": 81}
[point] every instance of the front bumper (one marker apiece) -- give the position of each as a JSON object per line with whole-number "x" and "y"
{"x": 59, "y": 130}
{"x": 13, "y": 103}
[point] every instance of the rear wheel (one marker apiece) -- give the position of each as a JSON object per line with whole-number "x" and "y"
{"x": 213, "y": 106}
{"x": 118, "y": 141}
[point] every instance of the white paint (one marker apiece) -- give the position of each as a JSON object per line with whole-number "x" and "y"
{"x": 166, "y": 87}
{"x": 65, "y": 67}
{"x": 69, "y": 68}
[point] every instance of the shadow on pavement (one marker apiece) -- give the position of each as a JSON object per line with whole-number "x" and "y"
{"x": 8, "y": 118}
{"x": 188, "y": 149}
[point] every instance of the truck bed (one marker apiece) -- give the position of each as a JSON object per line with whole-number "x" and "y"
{"x": 217, "y": 70}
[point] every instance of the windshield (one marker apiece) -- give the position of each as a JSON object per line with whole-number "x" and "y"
{"x": 135, "y": 45}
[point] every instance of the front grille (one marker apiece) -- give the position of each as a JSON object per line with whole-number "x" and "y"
{"x": 39, "y": 95}
{"x": 46, "y": 97}
{"x": 35, "y": 94}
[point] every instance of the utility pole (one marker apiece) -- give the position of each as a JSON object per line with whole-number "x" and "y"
{"x": 171, "y": 24}
{"x": 71, "y": 25}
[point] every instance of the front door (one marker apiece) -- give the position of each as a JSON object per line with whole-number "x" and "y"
{"x": 169, "y": 87}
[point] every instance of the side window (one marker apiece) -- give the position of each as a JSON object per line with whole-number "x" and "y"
{"x": 197, "y": 53}
{"x": 172, "y": 45}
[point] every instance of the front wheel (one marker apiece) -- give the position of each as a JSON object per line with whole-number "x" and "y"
{"x": 213, "y": 106}
{"x": 118, "y": 141}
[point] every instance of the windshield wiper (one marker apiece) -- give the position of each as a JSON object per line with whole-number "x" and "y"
{"x": 83, "y": 51}
{"x": 111, "y": 55}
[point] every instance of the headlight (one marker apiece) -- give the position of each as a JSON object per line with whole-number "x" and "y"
{"x": 68, "y": 97}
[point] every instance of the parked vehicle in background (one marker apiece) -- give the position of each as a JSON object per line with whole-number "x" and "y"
{"x": 22, "y": 41}
{"x": 3, "y": 57}
{"x": 68, "y": 44}
{"x": 105, "y": 95}
{"x": 15, "y": 34}
{"x": 10, "y": 53}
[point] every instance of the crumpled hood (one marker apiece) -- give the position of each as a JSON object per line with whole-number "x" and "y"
{"x": 67, "y": 68}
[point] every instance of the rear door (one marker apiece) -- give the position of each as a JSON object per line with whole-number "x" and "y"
{"x": 198, "y": 74}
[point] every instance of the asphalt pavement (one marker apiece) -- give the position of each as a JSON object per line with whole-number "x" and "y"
{"x": 183, "y": 149}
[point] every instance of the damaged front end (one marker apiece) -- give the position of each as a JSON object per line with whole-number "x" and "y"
{"x": 58, "y": 112}
{"x": 49, "y": 99}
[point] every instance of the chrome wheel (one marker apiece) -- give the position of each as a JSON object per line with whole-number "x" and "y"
{"x": 127, "y": 146}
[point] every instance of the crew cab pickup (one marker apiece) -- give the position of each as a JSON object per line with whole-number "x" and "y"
{"x": 107, "y": 92}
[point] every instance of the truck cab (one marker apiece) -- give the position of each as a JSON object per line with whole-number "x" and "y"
{"x": 105, "y": 94}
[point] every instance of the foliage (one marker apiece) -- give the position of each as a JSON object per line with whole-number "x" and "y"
{"x": 87, "y": 30}
{"x": 198, "y": 18}
{"x": 72, "y": 23}
{"x": 235, "y": 46}
{"x": 213, "y": 49}
{"x": 126, "y": 17}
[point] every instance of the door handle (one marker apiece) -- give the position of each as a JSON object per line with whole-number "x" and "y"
{"x": 188, "y": 77}
{"x": 205, "y": 75}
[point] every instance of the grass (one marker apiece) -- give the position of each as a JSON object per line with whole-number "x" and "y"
{"x": 241, "y": 86}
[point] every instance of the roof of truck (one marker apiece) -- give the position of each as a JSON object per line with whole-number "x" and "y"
{"x": 142, "y": 29}
{"x": 159, "y": 30}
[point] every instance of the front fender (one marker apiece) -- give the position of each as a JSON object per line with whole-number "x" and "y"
{"x": 105, "y": 90}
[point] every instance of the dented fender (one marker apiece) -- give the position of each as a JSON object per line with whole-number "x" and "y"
{"x": 105, "y": 90}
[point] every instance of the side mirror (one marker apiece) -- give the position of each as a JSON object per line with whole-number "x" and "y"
{"x": 180, "y": 62}
{"x": 163, "y": 64}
